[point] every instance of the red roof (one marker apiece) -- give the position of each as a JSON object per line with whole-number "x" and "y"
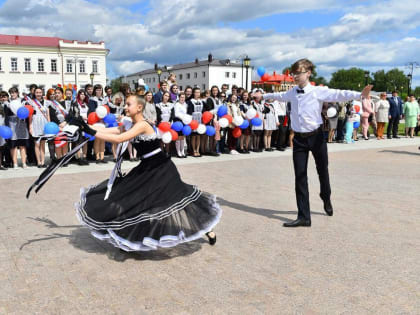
{"x": 33, "y": 40}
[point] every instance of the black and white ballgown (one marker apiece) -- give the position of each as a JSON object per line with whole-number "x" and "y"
{"x": 150, "y": 207}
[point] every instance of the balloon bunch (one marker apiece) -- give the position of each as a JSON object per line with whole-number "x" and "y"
{"x": 263, "y": 74}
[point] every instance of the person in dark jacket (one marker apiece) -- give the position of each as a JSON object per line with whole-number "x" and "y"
{"x": 395, "y": 114}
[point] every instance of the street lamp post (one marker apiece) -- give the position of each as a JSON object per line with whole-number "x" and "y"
{"x": 159, "y": 72}
{"x": 366, "y": 77}
{"x": 409, "y": 76}
{"x": 247, "y": 62}
{"x": 91, "y": 75}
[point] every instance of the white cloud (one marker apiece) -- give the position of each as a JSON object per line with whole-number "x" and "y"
{"x": 176, "y": 31}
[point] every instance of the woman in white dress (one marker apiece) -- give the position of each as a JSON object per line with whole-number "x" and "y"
{"x": 382, "y": 113}
{"x": 180, "y": 111}
{"x": 271, "y": 123}
{"x": 37, "y": 123}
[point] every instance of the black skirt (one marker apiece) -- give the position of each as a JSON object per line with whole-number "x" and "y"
{"x": 149, "y": 208}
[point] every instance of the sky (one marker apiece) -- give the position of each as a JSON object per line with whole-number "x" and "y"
{"x": 371, "y": 35}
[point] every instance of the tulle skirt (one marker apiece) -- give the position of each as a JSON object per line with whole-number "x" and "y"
{"x": 149, "y": 208}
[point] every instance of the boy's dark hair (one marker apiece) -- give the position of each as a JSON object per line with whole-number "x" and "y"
{"x": 411, "y": 95}
{"x": 4, "y": 93}
{"x": 394, "y": 92}
{"x": 107, "y": 88}
{"x": 33, "y": 86}
{"x": 302, "y": 63}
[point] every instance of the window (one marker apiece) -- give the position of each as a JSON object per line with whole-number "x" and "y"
{"x": 227, "y": 74}
{"x": 154, "y": 90}
{"x": 27, "y": 65}
{"x": 188, "y": 76}
{"x": 41, "y": 65}
{"x": 234, "y": 75}
{"x": 69, "y": 67}
{"x": 180, "y": 76}
{"x": 15, "y": 85}
{"x": 204, "y": 86}
{"x": 0, "y": 65}
{"x": 95, "y": 66}
{"x": 82, "y": 68}
{"x": 180, "y": 87}
{"x": 53, "y": 65}
{"x": 195, "y": 75}
{"x": 154, "y": 79}
{"x": 1, "y": 87}
{"x": 204, "y": 74}
{"x": 14, "y": 65}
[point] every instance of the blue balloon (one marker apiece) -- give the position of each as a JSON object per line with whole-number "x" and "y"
{"x": 210, "y": 131}
{"x": 51, "y": 128}
{"x": 22, "y": 112}
{"x": 245, "y": 124}
{"x": 5, "y": 132}
{"x": 177, "y": 126}
{"x": 186, "y": 130}
{"x": 90, "y": 137}
{"x": 222, "y": 111}
{"x": 261, "y": 71}
{"x": 356, "y": 124}
{"x": 256, "y": 121}
{"x": 146, "y": 88}
{"x": 110, "y": 118}
{"x": 113, "y": 124}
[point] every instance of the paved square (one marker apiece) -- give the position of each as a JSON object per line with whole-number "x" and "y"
{"x": 364, "y": 259}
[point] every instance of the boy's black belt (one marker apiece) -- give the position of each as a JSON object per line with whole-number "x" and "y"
{"x": 307, "y": 134}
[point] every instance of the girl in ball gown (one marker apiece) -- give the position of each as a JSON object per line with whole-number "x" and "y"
{"x": 150, "y": 207}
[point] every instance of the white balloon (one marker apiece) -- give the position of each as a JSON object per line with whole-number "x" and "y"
{"x": 201, "y": 129}
{"x": 223, "y": 122}
{"x": 331, "y": 112}
{"x": 101, "y": 112}
{"x": 357, "y": 118}
{"x": 238, "y": 120}
{"x": 234, "y": 109}
{"x": 186, "y": 120}
{"x": 167, "y": 137}
{"x": 251, "y": 113}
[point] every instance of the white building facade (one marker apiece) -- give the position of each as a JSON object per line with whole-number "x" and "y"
{"x": 203, "y": 74}
{"x": 49, "y": 62}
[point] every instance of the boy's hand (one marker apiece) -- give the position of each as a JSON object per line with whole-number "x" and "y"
{"x": 366, "y": 91}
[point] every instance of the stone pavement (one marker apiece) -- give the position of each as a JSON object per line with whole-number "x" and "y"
{"x": 364, "y": 259}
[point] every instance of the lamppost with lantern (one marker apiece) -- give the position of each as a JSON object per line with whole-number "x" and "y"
{"x": 91, "y": 75}
{"x": 247, "y": 62}
{"x": 366, "y": 77}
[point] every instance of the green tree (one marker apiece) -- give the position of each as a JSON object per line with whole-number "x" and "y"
{"x": 417, "y": 91}
{"x": 348, "y": 79}
{"x": 115, "y": 84}
{"x": 396, "y": 80}
{"x": 380, "y": 82}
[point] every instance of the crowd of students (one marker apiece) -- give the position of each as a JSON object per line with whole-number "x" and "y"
{"x": 171, "y": 105}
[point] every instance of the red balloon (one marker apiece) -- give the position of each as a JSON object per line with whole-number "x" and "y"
{"x": 107, "y": 108}
{"x": 357, "y": 108}
{"x": 93, "y": 118}
{"x": 164, "y": 126}
{"x": 236, "y": 133}
{"x": 265, "y": 77}
{"x": 194, "y": 124}
{"x": 174, "y": 134}
{"x": 207, "y": 116}
{"x": 31, "y": 109}
{"x": 228, "y": 117}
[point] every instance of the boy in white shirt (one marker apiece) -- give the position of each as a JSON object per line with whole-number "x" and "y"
{"x": 306, "y": 106}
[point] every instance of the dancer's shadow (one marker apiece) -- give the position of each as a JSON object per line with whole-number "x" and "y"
{"x": 400, "y": 152}
{"x": 271, "y": 214}
{"x": 81, "y": 238}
